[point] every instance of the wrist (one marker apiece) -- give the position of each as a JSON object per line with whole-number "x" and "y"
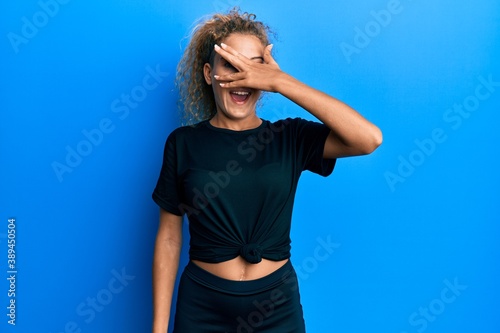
{"x": 285, "y": 83}
{"x": 160, "y": 326}
{"x": 281, "y": 80}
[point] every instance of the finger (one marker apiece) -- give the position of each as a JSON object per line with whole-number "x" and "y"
{"x": 231, "y": 55}
{"x": 232, "y": 84}
{"x": 226, "y": 51}
{"x": 268, "y": 58}
{"x": 233, "y": 60}
{"x": 229, "y": 49}
{"x": 230, "y": 77}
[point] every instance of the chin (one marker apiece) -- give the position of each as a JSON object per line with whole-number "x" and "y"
{"x": 239, "y": 114}
{"x": 240, "y": 111}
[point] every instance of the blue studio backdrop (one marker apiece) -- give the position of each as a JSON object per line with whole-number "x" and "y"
{"x": 401, "y": 241}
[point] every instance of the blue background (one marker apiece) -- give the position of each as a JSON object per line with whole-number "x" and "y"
{"x": 407, "y": 221}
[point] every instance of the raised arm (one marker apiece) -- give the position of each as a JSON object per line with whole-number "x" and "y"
{"x": 165, "y": 265}
{"x": 351, "y": 134}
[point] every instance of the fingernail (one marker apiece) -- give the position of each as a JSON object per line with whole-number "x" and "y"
{"x": 222, "y": 84}
{"x": 217, "y": 47}
{"x": 216, "y": 77}
{"x": 223, "y": 45}
{"x": 271, "y": 47}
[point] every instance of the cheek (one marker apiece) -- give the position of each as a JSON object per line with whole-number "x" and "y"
{"x": 225, "y": 71}
{"x": 217, "y": 90}
{"x": 257, "y": 95}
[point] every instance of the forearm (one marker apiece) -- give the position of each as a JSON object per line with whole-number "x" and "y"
{"x": 351, "y": 128}
{"x": 351, "y": 133}
{"x": 165, "y": 266}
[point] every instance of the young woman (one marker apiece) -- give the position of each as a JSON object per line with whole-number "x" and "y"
{"x": 234, "y": 176}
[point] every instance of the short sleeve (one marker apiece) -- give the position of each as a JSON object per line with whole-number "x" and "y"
{"x": 310, "y": 139}
{"x": 166, "y": 192}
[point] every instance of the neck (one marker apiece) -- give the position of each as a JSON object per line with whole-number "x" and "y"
{"x": 243, "y": 124}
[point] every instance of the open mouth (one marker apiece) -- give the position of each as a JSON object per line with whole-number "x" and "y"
{"x": 240, "y": 96}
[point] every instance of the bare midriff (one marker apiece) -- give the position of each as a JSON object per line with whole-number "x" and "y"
{"x": 238, "y": 269}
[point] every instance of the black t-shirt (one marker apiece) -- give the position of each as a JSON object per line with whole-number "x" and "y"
{"x": 237, "y": 188}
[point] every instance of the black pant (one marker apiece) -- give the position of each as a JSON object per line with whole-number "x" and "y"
{"x": 208, "y": 303}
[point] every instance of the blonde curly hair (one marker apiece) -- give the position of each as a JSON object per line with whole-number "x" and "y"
{"x": 197, "y": 102}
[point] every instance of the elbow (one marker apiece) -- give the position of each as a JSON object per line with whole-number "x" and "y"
{"x": 373, "y": 141}
{"x": 377, "y": 138}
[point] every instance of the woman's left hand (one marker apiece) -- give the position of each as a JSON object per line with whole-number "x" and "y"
{"x": 251, "y": 74}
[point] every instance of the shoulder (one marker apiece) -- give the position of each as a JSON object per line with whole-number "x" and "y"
{"x": 187, "y": 131}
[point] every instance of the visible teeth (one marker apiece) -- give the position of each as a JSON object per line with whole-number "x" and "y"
{"x": 242, "y": 93}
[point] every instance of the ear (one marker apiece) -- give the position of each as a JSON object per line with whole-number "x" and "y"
{"x": 207, "y": 72}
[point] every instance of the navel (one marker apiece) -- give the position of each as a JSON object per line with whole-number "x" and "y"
{"x": 243, "y": 271}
